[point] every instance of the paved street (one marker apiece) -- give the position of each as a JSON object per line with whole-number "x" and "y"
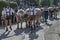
{"x": 53, "y": 32}
{"x": 44, "y": 32}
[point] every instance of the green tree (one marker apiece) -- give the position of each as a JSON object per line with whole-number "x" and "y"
{"x": 45, "y": 3}
{"x": 55, "y": 2}
{"x": 38, "y": 2}
{"x": 51, "y": 2}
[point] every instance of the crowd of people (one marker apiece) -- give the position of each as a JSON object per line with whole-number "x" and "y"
{"x": 31, "y": 16}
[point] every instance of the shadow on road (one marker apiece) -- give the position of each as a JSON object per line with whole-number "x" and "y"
{"x": 27, "y": 30}
{"x": 51, "y": 19}
{"x": 18, "y": 31}
{"x": 57, "y": 19}
{"x": 3, "y": 36}
{"x": 48, "y": 24}
{"x": 33, "y": 35}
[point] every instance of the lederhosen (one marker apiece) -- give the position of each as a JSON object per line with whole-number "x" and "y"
{"x": 2, "y": 18}
{"x": 26, "y": 15}
{"x": 32, "y": 17}
{"x": 8, "y": 16}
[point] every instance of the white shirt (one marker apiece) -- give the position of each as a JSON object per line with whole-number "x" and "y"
{"x": 12, "y": 11}
{"x": 35, "y": 11}
{"x": 32, "y": 11}
{"x": 3, "y": 12}
{"x": 9, "y": 11}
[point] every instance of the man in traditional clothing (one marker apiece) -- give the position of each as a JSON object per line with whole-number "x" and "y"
{"x": 32, "y": 16}
{"x": 9, "y": 15}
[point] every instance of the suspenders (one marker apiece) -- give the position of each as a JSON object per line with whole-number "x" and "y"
{"x": 8, "y": 11}
{"x": 33, "y": 11}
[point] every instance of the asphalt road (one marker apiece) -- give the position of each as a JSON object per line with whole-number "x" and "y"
{"x": 54, "y": 31}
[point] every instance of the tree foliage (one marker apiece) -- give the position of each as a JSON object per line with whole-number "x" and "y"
{"x": 48, "y": 2}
